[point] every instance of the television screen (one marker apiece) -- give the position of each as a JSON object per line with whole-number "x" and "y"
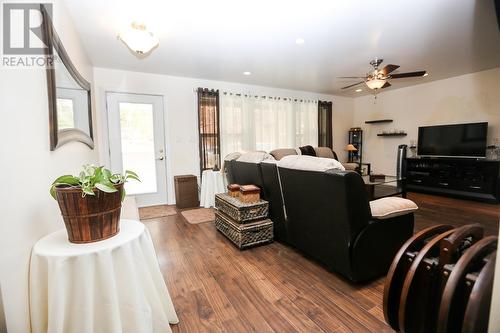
{"x": 460, "y": 140}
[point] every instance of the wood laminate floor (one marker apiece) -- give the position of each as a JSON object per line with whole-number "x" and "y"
{"x": 273, "y": 288}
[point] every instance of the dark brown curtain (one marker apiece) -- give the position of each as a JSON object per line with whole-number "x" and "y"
{"x": 325, "y": 138}
{"x": 208, "y": 125}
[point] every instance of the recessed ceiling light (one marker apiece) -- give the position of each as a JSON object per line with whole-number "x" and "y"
{"x": 299, "y": 41}
{"x": 425, "y": 74}
{"x": 358, "y": 90}
{"x": 247, "y": 73}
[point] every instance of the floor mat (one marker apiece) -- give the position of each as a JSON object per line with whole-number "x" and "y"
{"x": 199, "y": 215}
{"x": 153, "y": 212}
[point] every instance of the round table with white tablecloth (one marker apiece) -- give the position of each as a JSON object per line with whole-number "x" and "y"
{"x": 114, "y": 285}
{"x": 212, "y": 183}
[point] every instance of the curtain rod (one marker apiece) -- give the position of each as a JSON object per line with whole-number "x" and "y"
{"x": 295, "y": 99}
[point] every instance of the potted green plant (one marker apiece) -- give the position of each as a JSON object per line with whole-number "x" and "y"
{"x": 90, "y": 203}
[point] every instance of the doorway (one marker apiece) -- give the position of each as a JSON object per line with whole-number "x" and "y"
{"x": 137, "y": 142}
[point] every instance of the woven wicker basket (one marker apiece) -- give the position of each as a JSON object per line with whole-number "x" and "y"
{"x": 244, "y": 235}
{"x": 239, "y": 211}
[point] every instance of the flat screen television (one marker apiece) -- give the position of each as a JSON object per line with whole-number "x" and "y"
{"x": 459, "y": 140}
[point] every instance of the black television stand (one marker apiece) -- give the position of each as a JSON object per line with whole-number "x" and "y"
{"x": 469, "y": 178}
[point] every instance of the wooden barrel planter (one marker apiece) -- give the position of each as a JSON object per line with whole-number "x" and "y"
{"x": 91, "y": 218}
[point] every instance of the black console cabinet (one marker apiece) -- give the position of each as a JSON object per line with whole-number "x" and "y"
{"x": 477, "y": 179}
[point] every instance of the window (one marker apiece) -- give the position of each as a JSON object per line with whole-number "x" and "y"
{"x": 208, "y": 121}
{"x": 65, "y": 114}
{"x": 265, "y": 123}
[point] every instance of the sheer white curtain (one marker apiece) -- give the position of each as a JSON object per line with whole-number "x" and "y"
{"x": 266, "y": 123}
{"x": 306, "y": 124}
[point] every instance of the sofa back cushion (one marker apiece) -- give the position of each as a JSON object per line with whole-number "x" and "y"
{"x": 309, "y": 163}
{"x": 247, "y": 173}
{"x": 278, "y": 154}
{"x": 307, "y": 150}
{"x": 325, "y": 152}
{"x": 254, "y": 157}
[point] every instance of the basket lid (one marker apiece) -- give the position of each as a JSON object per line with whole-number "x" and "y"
{"x": 249, "y": 189}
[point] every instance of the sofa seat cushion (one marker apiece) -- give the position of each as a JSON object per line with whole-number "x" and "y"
{"x": 255, "y": 157}
{"x": 309, "y": 163}
{"x": 386, "y": 208}
{"x": 278, "y": 154}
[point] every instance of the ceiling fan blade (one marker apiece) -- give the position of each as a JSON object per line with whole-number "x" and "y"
{"x": 388, "y": 69}
{"x": 350, "y": 77}
{"x": 386, "y": 85}
{"x": 352, "y": 85}
{"x": 409, "y": 74}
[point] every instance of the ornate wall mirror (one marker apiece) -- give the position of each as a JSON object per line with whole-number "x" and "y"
{"x": 70, "y": 111}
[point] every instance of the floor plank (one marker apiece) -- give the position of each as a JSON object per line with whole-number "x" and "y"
{"x": 273, "y": 288}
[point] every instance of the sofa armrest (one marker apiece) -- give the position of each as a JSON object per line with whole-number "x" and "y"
{"x": 350, "y": 166}
{"x": 376, "y": 245}
{"x": 388, "y": 207}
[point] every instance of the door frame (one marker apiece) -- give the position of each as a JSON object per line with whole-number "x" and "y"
{"x": 164, "y": 136}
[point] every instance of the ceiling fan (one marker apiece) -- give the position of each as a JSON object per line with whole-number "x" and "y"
{"x": 378, "y": 78}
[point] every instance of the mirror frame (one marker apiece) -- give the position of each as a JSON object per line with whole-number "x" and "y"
{"x": 52, "y": 41}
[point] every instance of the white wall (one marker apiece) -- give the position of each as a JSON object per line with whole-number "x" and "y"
{"x": 181, "y": 112}
{"x": 467, "y": 98}
{"x": 27, "y": 168}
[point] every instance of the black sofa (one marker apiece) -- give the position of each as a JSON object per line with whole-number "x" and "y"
{"x": 329, "y": 219}
{"x": 326, "y": 215}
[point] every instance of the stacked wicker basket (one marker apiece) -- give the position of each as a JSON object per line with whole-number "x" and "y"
{"x": 242, "y": 216}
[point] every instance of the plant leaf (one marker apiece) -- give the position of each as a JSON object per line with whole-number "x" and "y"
{"x": 134, "y": 177}
{"x": 105, "y": 188}
{"x": 66, "y": 179}
{"x": 106, "y": 173}
{"x": 53, "y": 192}
{"x": 88, "y": 191}
{"x": 131, "y": 173}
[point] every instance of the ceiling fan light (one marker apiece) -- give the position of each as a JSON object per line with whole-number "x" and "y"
{"x": 138, "y": 39}
{"x": 375, "y": 83}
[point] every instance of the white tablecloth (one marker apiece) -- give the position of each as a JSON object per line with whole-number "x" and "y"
{"x": 212, "y": 183}
{"x": 110, "y": 286}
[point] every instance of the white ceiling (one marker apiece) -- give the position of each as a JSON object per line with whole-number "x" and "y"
{"x": 220, "y": 39}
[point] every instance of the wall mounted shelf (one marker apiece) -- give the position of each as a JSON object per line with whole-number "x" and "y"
{"x": 392, "y": 134}
{"x": 378, "y": 121}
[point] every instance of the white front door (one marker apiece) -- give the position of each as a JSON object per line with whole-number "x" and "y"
{"x": 137, "y": 142}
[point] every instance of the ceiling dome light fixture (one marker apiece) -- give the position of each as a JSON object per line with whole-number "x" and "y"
{"x": 138, "y": 39}
{"x": 375, "y": 83}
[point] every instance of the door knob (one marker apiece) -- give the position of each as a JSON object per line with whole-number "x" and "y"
{"x": 161, "y": 158}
